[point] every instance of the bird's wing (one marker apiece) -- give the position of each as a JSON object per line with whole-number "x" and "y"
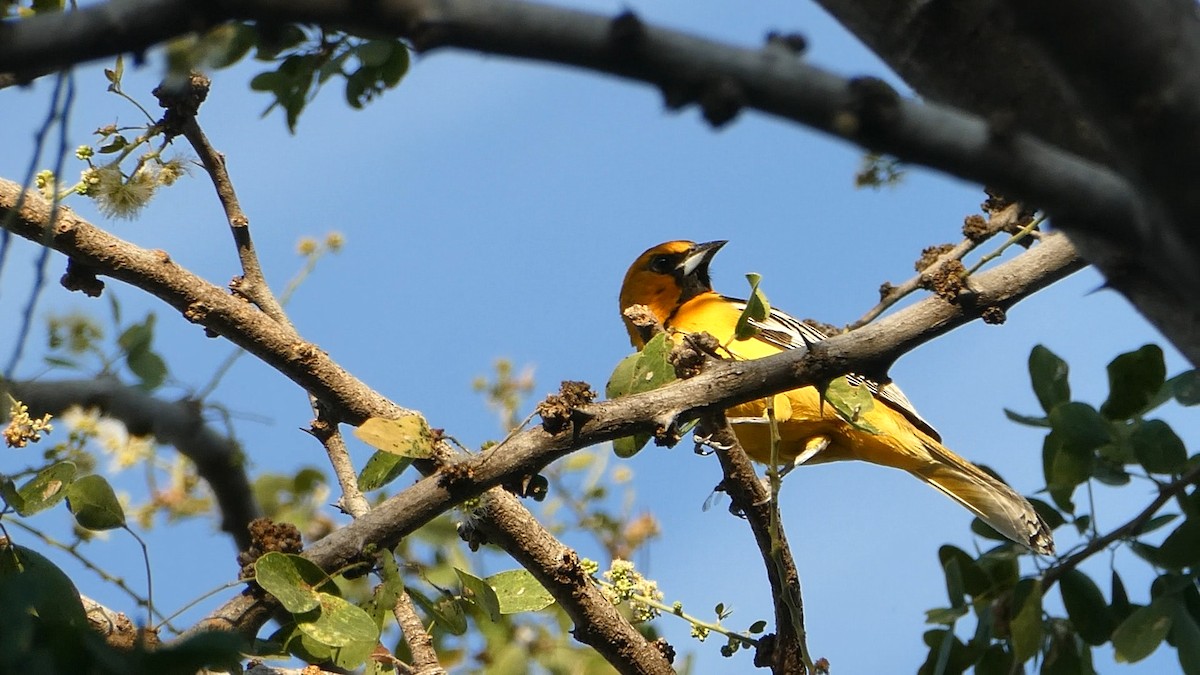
{"x": 784, "y": 331}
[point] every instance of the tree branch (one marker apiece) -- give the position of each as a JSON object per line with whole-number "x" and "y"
{"x": 969, "y": 56}
{"x": 218, "y": 459}
{"x": 1131, "y": 528}
{"x": 349, "y": 399}
{"x": 976, "y": 55}
{"x": 869, "y": 350}
{"x": 750, "y": 498}
{"x": 420, "y": 644}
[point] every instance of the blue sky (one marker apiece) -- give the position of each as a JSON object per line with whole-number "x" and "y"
{"x": 490, "y": 209}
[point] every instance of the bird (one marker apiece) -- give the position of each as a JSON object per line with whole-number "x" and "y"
{"x": 672, "y": 280}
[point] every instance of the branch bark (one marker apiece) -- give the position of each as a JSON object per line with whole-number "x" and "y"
{"x": 1116, "y": 88}
{"x": 869, "y": 350}
{"x": 973, "y": 54}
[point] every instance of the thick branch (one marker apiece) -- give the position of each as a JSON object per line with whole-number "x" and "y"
{"x": 977, "y": 56}
{"x": 347, "y": 398}
{"x": 199, "y": 302}
{"x": 869, "y": 350}
{"x": 687, "y": 68}
{"x": 218, "y": 459}
{"x": 966, "y": 54}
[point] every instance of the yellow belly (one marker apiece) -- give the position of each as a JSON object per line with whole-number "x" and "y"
{"x": 803, "y": 418}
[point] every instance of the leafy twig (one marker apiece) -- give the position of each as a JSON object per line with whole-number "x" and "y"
{"x": 1131, "y": 528}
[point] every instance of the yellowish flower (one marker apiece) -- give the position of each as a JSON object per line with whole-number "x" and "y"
{"x": 306, "y": 246}
{"x": 118, "y": 197}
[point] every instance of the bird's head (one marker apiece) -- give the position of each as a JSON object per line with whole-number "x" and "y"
{"x": 665, "y": 277}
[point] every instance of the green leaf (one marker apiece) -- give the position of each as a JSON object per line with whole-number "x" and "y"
{"x": 350, "y": 656}
{"x": 1186, "y": 387}
{"x": 383, "y": 600}
{"x": 1026, "y": 625}
{"x": 947, "y": 654}
{"x": 59, "y": 362}
{"x": 1157, "y": 447}
{"x": 206, "y": 651}
{"x": 12, "y": 496}
{"x": 1181, "y": 548}
{"x": 44, "y": 6}
{"x": 375, "y": 53}
{"x": 1049, "y": 376}
{"x": 757, "y": 309}
{"x": 45, "y": 489}
{"x": 1027, "y": 420}
{"x": 277, "y": 39}
{"x": 149, "y": 367}
{"x": 996, "y": 660}
{"x": 1156, "y": 522}
{"x": 974, "y": 581}
{"x": 40, "y": 583}
{"x": 337, "y": 623}
{"x": 139, "y": 336}
{"x": 1186, "y": 635}
{"x": 117, "y": 144}
{"x": 381, "y": 469}
{"x": 946, "y": 616}
{"x": 1140, "y": 634}
{"x": 1064, "y": 470}
{"x": 446, "y": 612}
{"x": 394, "y": 69}
{"x": 235, "y": 41}
{"x": 290, "y": 578}
{"x": 1000, "y": 564}
{"x": 851, "y": 403}
{"x": 94, "y": 504}
{"x": 407, "y": 436}
{"x": 628, "y": 446}
{"x": 1063, "y": 656}
{"x": 1134, "y": 379}
{"x": 1121, "y": 607}
{"x": 478, "y": 592}
{"x": 271, "y": 80}
{"x": 359, "y": 88}
{"x": 518, "y": 591}
{"x": 645, "y": 370}
{"x": 1086, "y": 607}
{"x": 1080, "y": 427}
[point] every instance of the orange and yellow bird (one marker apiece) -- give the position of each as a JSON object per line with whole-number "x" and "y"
{"x": 672, "y": 280}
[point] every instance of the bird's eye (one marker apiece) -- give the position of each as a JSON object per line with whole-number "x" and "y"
{"x": 661, "y": 264}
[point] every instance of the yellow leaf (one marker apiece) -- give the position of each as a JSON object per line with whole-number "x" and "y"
{"x": 407, "y": 436}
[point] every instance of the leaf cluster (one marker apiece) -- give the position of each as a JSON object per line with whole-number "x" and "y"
{"x": 1111, "y": 444}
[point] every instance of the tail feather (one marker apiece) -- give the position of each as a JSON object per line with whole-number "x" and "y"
{"x": 994, "y": 502}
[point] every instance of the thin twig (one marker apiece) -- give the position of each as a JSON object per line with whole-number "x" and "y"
{"x": 420, "y": 644}
{"x": 1129, "y": 529}
{"x": 253, "y": 284}
{"x": 325, "y": 429}
{"x": 60, "y": 107}
{"x": 87, "y": 563}
{"x": 1017, "y": 236}
{"x": 996, "y": 222}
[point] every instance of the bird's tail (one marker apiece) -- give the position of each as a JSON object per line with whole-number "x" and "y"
{"x": 994, "y": 502}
